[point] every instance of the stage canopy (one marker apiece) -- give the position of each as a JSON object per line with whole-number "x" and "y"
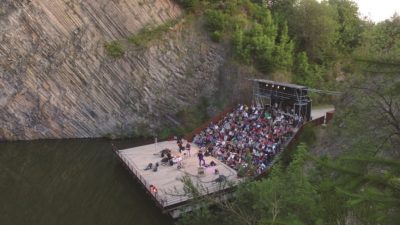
{"x": 286, "y": 95}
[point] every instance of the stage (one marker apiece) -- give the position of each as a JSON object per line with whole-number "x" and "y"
{"x": 169, "y": 193}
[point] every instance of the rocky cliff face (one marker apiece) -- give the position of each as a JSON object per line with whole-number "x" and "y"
{"x": 56, "y": 80}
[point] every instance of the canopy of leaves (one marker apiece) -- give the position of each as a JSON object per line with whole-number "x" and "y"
{"x": 368, "y": 122}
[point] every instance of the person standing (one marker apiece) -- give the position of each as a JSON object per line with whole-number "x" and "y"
{"x": 188, "y": 148}
{"x": 200, "y": 155}
{"x": 180, "y": 147}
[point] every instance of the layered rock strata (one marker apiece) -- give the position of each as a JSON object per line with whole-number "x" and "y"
{"x": 56, "y": 80}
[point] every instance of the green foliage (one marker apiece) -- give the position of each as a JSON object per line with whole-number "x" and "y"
{"x": 272, "y": 40}
{"x": 307, "y": 74}
{"x": 256, "y": 38}
{"x": 366, "y": 174}
{"x": 287, "y": 197}
{"x": 216, "y": 36}
{"x": 350, "y": 25}
{"x": 215, "y": 20}
{"x": 315, "y": 26}
{"x": 302, "y": 68}
{"x": 381, "y": 43}
{"x": 198, "y": 217}
{"x": 360, "y": 189}
{"x": 148, "y": 34}
{"x": 188, "y": 4}
{"x": 241, "y": 51}
{"x": 307, "y": 136}
{"x": 114, "y": 49}
{"x": 242, "y": 172}
{"x": 283, "y": 55}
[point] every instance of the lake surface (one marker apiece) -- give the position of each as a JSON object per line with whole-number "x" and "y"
{"x": 74, "y": 182}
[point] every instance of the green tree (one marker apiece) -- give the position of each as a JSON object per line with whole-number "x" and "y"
{"x": 367, "y": 174}
{"x": 215, "y": 20}
{"x": 283, "y": 54}
{"x": 315, "y": 27}
{"x": 306, "y": 73}
{"x": 350, "y": 25}
{"x": 301, "y": 69}
{"x": 281, "y": 9}
{"x": 381, "y": 42}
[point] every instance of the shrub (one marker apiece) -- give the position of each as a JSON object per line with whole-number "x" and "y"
{"x": 114, "y": 49}
{"x": 242, "y": 171}
{"x": 187, "y": 4}
{"x": 308, "y": 135}
{"x": 145, "y": 35}
{"x": 216, "y": 36}
{"x": 148, "y": 34}
{"x": 215, "y": 20}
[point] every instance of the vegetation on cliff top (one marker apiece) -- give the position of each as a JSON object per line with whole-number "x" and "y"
{"x": 301, "y": 40}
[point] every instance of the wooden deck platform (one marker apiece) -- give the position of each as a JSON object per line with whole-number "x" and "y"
{"x": 167, "y": 179}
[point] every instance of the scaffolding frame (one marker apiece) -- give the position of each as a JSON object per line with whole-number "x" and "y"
{"x": 266, "y": 91}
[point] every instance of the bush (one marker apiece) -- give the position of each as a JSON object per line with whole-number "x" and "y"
{"x": 187, "y": 4}
{"x": 215, "y": 20}
{"x": 114, "y": 49}
{"x": 216, "y": 36}
{"x": 308, "y": 135}
{"x": 148, "y": 34}
{"x": 242, "y": 171}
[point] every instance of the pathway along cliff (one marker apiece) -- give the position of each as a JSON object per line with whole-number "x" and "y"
{"x": 74, "y": 182}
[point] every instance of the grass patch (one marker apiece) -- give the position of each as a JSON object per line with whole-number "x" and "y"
{"x": 148, "y": 34}
{"x": 114, "y": 49}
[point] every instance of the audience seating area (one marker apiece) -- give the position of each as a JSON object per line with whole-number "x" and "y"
{"x": 248, "y": 138}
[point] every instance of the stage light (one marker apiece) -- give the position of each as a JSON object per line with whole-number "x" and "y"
{"x": 284, "y": 88}
{"x": 266, "y": 85}
{"x": 278, "y": 86}
{"x": 272, "y": 85}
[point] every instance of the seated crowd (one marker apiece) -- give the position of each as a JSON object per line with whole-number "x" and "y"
{"x": 248, "y": 137}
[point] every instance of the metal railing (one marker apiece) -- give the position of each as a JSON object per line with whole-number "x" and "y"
{"x": 134, "y": 171}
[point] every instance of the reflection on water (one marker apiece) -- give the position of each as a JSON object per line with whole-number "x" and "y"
{"x": 57, "y": 182}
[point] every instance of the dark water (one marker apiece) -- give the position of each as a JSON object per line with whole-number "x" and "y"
{"x": 73, "y": 182}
